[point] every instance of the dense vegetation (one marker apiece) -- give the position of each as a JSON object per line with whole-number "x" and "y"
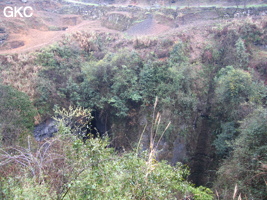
{"x": 216, "y": 103}
{"x": 64, "y": 167}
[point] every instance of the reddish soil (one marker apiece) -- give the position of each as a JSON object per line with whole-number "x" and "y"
{"x": 38, "y": 31}
{"x": 34, "y": 38}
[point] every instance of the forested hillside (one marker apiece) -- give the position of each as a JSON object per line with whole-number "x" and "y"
{"x": 137, "y": 112}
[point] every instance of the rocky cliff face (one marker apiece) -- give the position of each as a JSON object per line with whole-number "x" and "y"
{"x": 45, "y": 129}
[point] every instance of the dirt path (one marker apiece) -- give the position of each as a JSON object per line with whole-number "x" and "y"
{"x": 35, "y": 39}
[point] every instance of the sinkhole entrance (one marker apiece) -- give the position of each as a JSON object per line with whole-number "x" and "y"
{"x": 99, "y": 125}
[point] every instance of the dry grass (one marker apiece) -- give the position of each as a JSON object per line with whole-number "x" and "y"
{"x": 44, "y": 162}
{"x": 20, "y": 72}
{"x": 154, "y": 132}
{"x": 144, "y": 42}
{"x": 87, "y": 41}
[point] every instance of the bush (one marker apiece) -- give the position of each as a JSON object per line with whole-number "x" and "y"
{"x": 251, "y": 33}
{"x": 234, "y": 86}
{"x": 16, "y": 114}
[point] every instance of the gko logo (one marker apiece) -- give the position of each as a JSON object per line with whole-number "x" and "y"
{"x": 20, "y": 11}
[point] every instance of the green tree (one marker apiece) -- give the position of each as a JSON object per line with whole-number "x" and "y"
{"x": 242, "y": 167}
{"x": 237, "y": 94}
{"x": 234, "y": 86}
{"x": 241, "y": 54}
{"x": 111, "y": 84}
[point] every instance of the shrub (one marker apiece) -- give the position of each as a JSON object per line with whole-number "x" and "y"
{"x": 16, "y": 114}
{"x": 251, "y": 33}
{"x": 234, "y": 85}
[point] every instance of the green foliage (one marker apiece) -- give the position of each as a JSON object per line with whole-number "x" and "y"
{"x": 128, "y": 177}
{"x": 178, "y": 54}
{"x": 226, "y": 46}
{"x": 234, "y": 86}
{"x": 73, "y": 120}
{"x": 154, "y": 81}
{"x": 121, "y": 86}
{"x": 182, "y": 89}
{"x": 251, "y": 33}
{"x": 98, "y": 173}
{"x": 117, "y": 84}
{"x": 65, "y": 167}
{"x": 223, "y": 141}
{"x": 236, "y": 89}
{"x": 59, "y": 78}
{"x": 241, "y": 54}
{"x": 106, "y": 175}
{"x": 237, "y": 94}
{"x": 232, "y": 49}
{"x": 233, "y": 43}
{"x": 123, "y": 81}
{"x": 16, "y": 114}
{"x": 112, "y": 83}
{"x": 25, "y": 188}
{"x": 56, "y": 55}
{"x": 242, "y": 167}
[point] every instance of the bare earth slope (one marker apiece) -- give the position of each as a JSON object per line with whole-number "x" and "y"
{"x": 46, "y": 27}
{"x": 35, "y": 39}
{"x": 32, "y": 39}
{"x": 147, "y": 27}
